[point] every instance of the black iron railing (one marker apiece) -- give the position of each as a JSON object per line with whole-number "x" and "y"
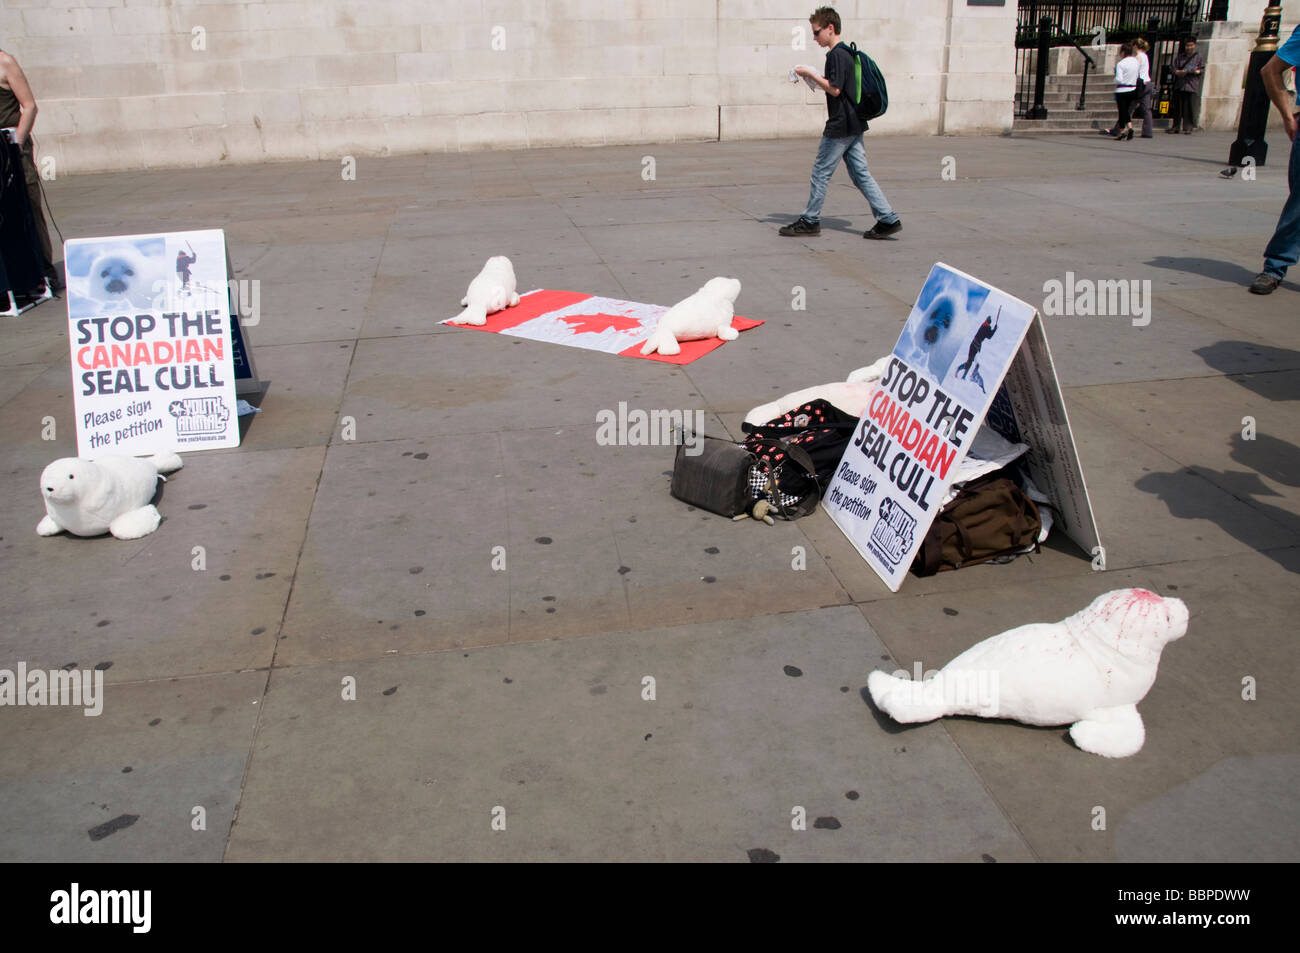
{"x": 1027, "y": 76}
{"x": 1121, "y": 19}
{"x": 1043, "y": 26}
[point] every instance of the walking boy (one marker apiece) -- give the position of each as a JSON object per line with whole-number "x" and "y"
{"x": 841, "y": 137}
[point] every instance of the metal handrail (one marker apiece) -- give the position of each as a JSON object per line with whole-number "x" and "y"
{"x": 1073, "y": 43}
{"x": 1083, "y": 87}
{"x": 1046, "y": 30}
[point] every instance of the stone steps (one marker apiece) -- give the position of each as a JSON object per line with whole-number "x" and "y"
{"x": 1061, "y": 96}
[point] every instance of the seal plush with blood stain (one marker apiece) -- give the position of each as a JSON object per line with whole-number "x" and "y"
{"x": 1088, "y": 671}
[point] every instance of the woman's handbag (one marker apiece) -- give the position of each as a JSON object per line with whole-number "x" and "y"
{"x": 726, "y": 478}
{"x": 715, "y": 479}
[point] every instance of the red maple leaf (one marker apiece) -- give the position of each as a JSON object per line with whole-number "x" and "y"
{"x": 596, "y": 323}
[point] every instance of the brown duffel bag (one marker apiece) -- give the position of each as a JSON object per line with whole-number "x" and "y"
{"x": 989, "y": 517}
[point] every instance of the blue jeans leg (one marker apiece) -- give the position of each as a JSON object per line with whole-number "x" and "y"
{"x": 855, "y": 159}
{"x": 828, "y": 157}
{"x": 1284, "y": 248}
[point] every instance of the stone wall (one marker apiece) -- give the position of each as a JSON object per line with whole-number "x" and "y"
{"x": 128, "y": 84}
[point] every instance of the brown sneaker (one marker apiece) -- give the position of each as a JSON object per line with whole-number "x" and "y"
{"x": 1264, "y": 283}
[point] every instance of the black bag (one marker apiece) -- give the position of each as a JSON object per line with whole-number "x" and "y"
{"x": 821, "y": 431}
{"x": 868, "y": 94}
{"x": 787, "y": 461}
{"x": 727, "y": 478}
{"x": 784, "y": 475}
{"x": 989, "y": 517}
{"x": 715, "y": 479}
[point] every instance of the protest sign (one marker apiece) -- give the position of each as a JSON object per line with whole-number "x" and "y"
{"x": 150, "y": 337}
{"x": 1030, "y": 409}
{"x": 245, "y": 311}
{"x": 960, "y": 341}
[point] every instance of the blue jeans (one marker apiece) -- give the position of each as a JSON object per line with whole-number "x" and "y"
{"x": 855, "y": 159}
{"x": 1284, "y": 248}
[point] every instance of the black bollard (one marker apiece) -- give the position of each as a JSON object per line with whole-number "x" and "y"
{"x": 1255, "y": 103}
{"x": 1038, "y": 110}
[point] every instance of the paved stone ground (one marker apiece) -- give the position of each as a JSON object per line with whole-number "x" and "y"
{"x": 522, "y": 689}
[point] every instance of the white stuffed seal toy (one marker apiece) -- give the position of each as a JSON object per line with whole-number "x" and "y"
{"x": 104, "y": 495}
{"x": 492, "y": 290}
{"x": 851, "y": 396}
{"x": 1088, "y": 671}
{"x": 705, "y": 314}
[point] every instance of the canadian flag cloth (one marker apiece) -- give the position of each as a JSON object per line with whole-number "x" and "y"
{"x": 583, "y": 320}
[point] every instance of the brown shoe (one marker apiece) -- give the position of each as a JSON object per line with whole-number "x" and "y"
{"x": 1264, "y": 283}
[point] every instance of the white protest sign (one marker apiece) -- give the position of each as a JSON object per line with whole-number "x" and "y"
{"x": 149, "y": 331}
{"x": 958, "y": 343}
{"x": 1030, "y": 410}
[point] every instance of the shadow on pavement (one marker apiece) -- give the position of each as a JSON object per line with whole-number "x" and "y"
{"x": 1229, "y": 357}
{"x": 1214, "y": 268}
{"x": 1245, "y": 486}
{"x": 1274, "y": 458}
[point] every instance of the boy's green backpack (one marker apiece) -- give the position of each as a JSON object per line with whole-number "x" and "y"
{"x": 869, "y": 95}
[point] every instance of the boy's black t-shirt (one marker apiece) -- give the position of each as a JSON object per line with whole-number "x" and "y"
{"x": 842, "y": 119}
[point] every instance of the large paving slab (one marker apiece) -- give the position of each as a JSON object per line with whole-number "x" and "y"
{"x": 1225, "y": 433}
{"x": 1137, "y": 489}
{"x": 302, "y": 389}
{"x": 470, "y": 381}
{"x": 294, "y": 312}
{"x": 750, "y": 720}
{"x": 155, "y": 777}
{"x": 1270, "y": 318}
{"x": 500, "y": 556}
{"x": 205, "y": 593}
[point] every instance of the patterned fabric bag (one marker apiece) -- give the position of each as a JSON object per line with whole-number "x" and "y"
{"x": 796, "y": 455}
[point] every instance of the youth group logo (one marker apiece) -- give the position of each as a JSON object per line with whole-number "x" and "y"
{"x": 894, "y": 532}
{"x": 199, "y": 416}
